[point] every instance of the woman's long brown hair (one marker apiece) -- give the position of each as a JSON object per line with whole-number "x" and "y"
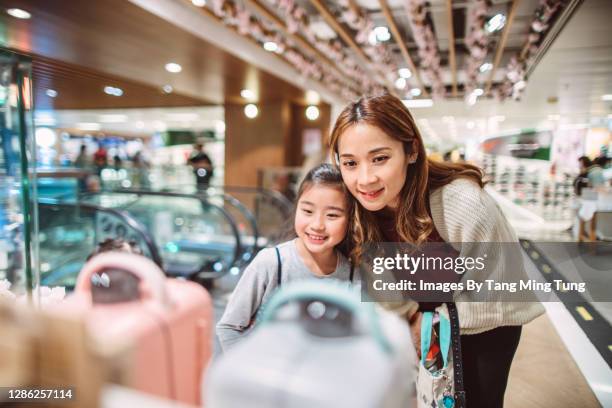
{"x": 413, "y": 218}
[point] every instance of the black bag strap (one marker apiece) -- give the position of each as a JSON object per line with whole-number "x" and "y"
{"x": 279, "y": 268}
{"x": 457, "y": 360}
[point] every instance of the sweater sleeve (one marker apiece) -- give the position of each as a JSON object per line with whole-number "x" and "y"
{"x": 246, "y": 299}
{"x": 466, "y": 216}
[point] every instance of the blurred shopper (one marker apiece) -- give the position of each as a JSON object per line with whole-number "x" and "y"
{"x": 202, "y": 166}
{"x": 82, "y": 160}
{"x": 592, "y": 171}
{"x": 140, "y": 168}
{"x": 321, "y": 217}
{"x": 117, "y": 162}
{"x": 404, "y": 196}
{"x": 100, "y": 159}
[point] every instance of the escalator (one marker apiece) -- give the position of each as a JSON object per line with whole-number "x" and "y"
{"x": 69, "y": 232}
{"x": 243, "y": 218}
{"x": 272, "y": 210}
{"x": 196, "y": 238}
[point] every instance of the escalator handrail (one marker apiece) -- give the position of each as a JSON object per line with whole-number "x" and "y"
{"x": 228, "y": 217}
{"x": 243, "y": 210}
{"x": 233, "y": 201}
{"x": 123, "y": 215}
{"x": 285, "y": 204}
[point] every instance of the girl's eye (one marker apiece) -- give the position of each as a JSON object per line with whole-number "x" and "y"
{"x": 380, "y": 159}
{"x": 333, "y": 215}
{"x": 349, "y": 163}
{"x": 306, "y": 211}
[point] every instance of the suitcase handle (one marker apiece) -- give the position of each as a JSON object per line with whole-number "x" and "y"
{"x": 337, "y": 295}
{"x": 152, "y": 279}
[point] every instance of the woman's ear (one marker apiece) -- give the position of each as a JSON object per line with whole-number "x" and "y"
{"x": 414, "y": 152}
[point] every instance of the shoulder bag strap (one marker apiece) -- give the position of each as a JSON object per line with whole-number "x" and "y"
{"x": 457, "y": 360}
{"x": 351, "y": 273}
{"x": 279, "y": 268}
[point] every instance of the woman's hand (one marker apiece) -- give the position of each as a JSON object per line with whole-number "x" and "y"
{"x": 415, "y": 329}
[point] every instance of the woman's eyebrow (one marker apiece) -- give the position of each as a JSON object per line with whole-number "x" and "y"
{"x": 379, "y": 149}
{"x": 373, "y": 151}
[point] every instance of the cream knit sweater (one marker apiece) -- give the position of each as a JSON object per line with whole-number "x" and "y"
{"x": 463, "y": 213}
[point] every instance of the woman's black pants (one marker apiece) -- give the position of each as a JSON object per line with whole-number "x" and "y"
{"x": 486, "y": 365}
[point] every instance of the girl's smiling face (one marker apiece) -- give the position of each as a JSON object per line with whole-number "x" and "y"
{"x": 373, "y": 166}
{"x": 321, "y": 219}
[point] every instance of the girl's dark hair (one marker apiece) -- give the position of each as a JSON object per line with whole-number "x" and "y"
{"x": 326, "y": 175}
{"x": 116, "y": 244}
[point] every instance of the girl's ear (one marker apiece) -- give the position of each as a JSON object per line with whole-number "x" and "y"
{"x": 414, "y": 152}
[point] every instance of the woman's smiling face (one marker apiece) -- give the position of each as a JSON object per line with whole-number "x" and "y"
{"x": 373, "y": 166}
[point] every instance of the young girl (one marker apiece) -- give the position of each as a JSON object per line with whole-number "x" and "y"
{"x": 321, "y": 220}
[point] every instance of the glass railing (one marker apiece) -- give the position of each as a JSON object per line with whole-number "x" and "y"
{"x": 195, "y": 237}
{"x": 244, "y": 219}
{"x": 70, "y": 232}
{"x": 18, "y": 220}
{"x": 272, "y": 210}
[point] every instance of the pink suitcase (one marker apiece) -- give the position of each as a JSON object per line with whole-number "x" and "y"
{"x": 168, "y": 330}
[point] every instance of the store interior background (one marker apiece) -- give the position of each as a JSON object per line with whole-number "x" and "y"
{"x": 101, "y": 73}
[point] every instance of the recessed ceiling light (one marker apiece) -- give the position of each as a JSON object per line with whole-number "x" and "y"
{"x": 312, "y": 112}
{"x": 198, "y": 3}
{"x": 114, "y": 91}
{"x": 554, "y": 117}
{"x": 495, "y": 23}
{"x": 113, "y": 118}
{"x": 400, "y": 83}
{"x": 167, "y": 89}
{"x": 415, "y": 91}
{"x": 418, "y": 103}
{"x": 404, "y": 73}
{"x": 18, "y": 13}
{"x": 607, "y": 97}
{"x": 312, "y": 97}
{"x": 251, "y": 111}
{"x": 247, "y": 94}
{"x": 51, "y": 93}
{"x": 270, "y": 46}
{"x": 91, "y": 126}
{"x": 173, "y": 67}
{"x": 487, "y": 66}
{"x": 382, "y": 33}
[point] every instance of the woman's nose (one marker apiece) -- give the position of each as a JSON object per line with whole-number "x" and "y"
{"x": 366, "y": 176}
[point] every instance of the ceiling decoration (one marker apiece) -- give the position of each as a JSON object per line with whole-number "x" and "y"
{"x": 423, "y": 33}
{"x": 442, "y": 49}
{"x": 543, "y": 19}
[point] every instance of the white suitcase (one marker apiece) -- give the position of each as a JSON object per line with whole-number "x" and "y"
{"x": 318, "y": 345}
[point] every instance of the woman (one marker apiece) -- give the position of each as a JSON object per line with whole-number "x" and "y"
{"x": 405, "y": 197}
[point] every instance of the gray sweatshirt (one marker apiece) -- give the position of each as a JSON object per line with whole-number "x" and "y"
{"x": 258, "y": 283}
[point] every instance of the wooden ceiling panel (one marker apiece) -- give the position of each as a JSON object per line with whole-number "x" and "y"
{"x": 119, "y": 40}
